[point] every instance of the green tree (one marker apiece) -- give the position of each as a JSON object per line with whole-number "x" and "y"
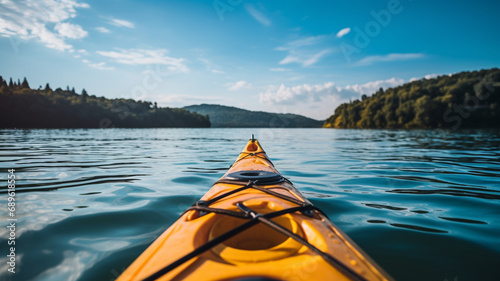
{"x": 25, "y": 84}
{"x": 470, "y": 97}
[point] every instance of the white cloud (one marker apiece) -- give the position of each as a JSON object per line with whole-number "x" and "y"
{"x": 390, "y": 57}
{"x": 102, "y": 29}
{"x": 210, "y": 66}
{"x": 306, "y": 41}
{"x": 305, "y": 59}
{"x": 70, "y": 30}
{"x": 121, "y": 23}
{"x": 101, "y": 65}
{"x": 371, "y": 87}
{"x": 257, "y": 15}
{"x": 298, "y": 53}
{"x": 428, "y": 76}
{"x": 238, "y": 85}
{"x": 290, "y": 95}
{"x": 34, "y": 18}
{"x": 279, "y": 69}
{"x": 142, "y": 56}
{"x": 320, "y": 100}
{"x": 343, "y": 31}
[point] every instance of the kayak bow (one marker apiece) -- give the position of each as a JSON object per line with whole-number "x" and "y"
{"x": 253, "y": 225}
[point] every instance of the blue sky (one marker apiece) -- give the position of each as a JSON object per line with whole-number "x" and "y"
{"x": 291, "y": 56}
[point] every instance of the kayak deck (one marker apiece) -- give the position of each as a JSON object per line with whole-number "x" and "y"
{"x": 253, "y": 223}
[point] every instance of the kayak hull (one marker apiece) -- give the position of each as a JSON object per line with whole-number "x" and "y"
{"x": 259, "y": 251}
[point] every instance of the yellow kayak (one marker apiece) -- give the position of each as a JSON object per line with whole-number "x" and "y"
{"x": 253, "y": 225}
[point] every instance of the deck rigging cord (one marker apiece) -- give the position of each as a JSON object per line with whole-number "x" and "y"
{"x": 306, "y": 208}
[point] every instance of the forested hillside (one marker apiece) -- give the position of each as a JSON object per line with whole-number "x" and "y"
{"x": 465, "y": 100}
{"x": 233, "y": 117}
{"x": 23, "y": 107}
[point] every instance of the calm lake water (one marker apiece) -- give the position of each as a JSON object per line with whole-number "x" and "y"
{"x": 424, "y": 204}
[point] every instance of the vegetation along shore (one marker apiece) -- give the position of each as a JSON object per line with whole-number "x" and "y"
{"x": 466, "y": 100}
{"x": 23, "y": 107}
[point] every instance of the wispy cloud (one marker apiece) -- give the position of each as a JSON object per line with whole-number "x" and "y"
{"x": 209, "y": 65}
{"x": 121, "y": 23}
{"x": 24, "y": 19}
{"x": 279, "y": 69}
{"x": 102, "y": 29}
{"x": 304, "y": 50}
{"x": 343, "y": 32}
{"x": 306, "y": 41}
{"x": 390, "y": 57}
{"x": 238, "y": 85}
{"x": 306, "y": 59}
{"x": 142, "y": 56}
{"x": 257, "y": 15}
{"x": 101, "y": 66}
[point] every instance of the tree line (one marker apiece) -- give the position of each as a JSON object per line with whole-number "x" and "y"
{"x": 462, "y": 100}
{"x": 23, "y": 107}
{"x": 232, "y": 117}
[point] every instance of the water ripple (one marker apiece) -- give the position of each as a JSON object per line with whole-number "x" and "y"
{"x": 422, "y": 203}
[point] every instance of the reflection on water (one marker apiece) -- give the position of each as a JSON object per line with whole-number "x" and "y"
{"x": 424, "y": 204}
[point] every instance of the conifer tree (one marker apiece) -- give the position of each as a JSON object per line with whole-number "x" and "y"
{"x": 25, "y": 83}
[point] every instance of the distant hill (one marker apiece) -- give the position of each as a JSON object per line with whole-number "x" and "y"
{"x": 233, "y": 117}
{"x": 23, "y": 107}
{"x": 462, "y": 100}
